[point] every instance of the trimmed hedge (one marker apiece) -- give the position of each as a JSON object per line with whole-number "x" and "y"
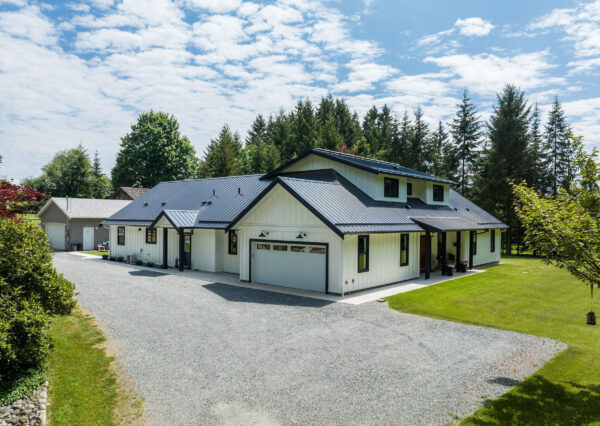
{"x": 31, "y": 291}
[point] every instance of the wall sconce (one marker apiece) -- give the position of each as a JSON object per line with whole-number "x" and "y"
{"x": 301, "y": 235}
{"x": 139, "y": 229}
{"x": 263, "y": 234}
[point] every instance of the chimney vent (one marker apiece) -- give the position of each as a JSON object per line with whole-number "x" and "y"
{"x": 239, "y": 191}
{"x": 214, "y": 192}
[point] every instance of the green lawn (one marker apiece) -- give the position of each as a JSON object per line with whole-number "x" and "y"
{"x": 84, "y": 389}
{"x": 96, "y": 252}
{"x": 527, "y": 296}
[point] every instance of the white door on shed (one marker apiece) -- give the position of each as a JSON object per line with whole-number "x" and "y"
{"x": 56, "y": 234}
{"x": 289, "y": 264}
{"x": 88, "y": 238}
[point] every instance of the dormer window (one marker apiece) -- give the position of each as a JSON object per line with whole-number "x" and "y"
{"x": 438, "y": 193}
{"x": 390, "y": 187}
{"x": 409, "y": 188}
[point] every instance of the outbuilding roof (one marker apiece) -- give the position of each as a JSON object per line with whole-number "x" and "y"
{"x": 85, "y": 208}
{"x": 368, "y": 164}
{"x": 129, "y": 191}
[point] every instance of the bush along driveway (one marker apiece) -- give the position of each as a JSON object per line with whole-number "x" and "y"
{"x": 527, "y": 296}
{"x": 203, "y": 352}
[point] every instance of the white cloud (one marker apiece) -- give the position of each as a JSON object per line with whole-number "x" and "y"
{"x": 473, "y": 26}
{"x": 28, "y": 23}
{"x": 488, "y": 73}
{"x": 218, "y": 6}
{"x": 363, "y": 75}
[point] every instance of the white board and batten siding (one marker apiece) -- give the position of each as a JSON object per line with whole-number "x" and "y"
{"x": 281, "y": 216}
{"x": 135, "y": 244}
{"x": 484, "y": 254}
{"x": 384, "y": 261}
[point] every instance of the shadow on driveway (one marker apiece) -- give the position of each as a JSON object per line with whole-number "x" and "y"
{"x": 144, "y": 273}
{"x": 247, "y": 295}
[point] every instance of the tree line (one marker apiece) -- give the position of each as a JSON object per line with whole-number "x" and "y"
{"x": 482, "y": 157}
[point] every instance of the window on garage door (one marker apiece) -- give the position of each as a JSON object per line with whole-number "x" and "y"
{"x": 317, "y": 250}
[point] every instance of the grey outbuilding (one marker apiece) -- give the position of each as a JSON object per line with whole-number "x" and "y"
{"x": 76, "y": 223}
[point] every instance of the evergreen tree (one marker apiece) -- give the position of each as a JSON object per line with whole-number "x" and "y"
{"x": 223, "y": 155}
{"x": 279, "y": 135}
{"x": 304, "y": 127}
{"x": 506, "y": 157}
{"x": 101, "y": 186}
{"x": 386, "y": 126}
{"x": 559, "y": 147}
{"x": 466, "y": 135}
{"x": 538, "y": 167}
{"x": 347, "y": 123}
{"x": 371, "y": 129}
{"x": 419, "y": 153}
{"x": 329, "y": 137}
{"x": 258, "y": 131}
{"x": 439, "y": 143}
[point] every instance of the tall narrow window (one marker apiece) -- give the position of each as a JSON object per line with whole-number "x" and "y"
{"x": 409, "y": 188}
{"x": 121, "y": 235}
{"x": 493, "y": 240}
{"x": 363, "y": 253}
{"x": 150, "y": 235}
{"x": 403, "y": 249}
{"x": 474, "y": 243}
{"x": 390, "y": 187}
{"x": 232, "y": 242}
{"x": 438, "y": 193}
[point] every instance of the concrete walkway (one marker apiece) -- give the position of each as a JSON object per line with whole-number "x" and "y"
{"x": 356, "y": 298}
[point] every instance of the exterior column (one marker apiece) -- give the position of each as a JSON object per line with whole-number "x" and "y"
{"x": 458, "y": 255}
{"x": 443, "y": 253}
{"x": 181, "y": 249}
{"x": 427, "y": 254}
{"x": 165, "y": 264}
{"x": 471, "y": 249}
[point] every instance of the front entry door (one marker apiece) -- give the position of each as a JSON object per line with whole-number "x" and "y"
{"x": 187, "y": 250}
{"x": 88, "y": 238}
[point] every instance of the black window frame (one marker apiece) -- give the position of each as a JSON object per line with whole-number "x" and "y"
{"x": 492, "y": 240}
{"x": 394, "y": 187}
{"x": 120, "y": 238}
{"x": 408, "y": 188}
{"x": 230, "y": 243}
{"x": 366, "y": 245}
{"x": 438, "y": 193}
{"x": 474, "y": 244}
{"x": 151, "y": 232}
{"x": 404, "y": 246}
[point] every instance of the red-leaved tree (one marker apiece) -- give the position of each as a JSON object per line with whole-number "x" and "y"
{"x": 13, "y": 197}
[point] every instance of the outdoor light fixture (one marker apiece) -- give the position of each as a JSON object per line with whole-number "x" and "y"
{"x": 139, "y": 229}
{"x": 299, "y": 236}
{"x": 262, "y": 234}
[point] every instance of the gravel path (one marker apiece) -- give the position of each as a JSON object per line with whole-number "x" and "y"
{"x": 214, "y": 353}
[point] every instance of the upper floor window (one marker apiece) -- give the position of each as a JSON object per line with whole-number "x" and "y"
{"x": 121, "y": 235}
{"x": 363, "y": 253}
{"x": 409, "y": 188}
{"x": 390, "y": 187}
{"x": 232, "y": 242}
{"x": 438, "y": 193}
{"x": 493, "y": 240}
{"x": 403, "y": 249}
{"x": 150, "y": 235}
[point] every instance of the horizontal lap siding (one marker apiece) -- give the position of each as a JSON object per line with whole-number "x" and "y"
{"x": 384, "y": 261}
{"x": 283, "y": 217}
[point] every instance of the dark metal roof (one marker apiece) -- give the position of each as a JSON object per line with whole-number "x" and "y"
{"x": 213, "y": 201}
{"x": 368, "y": 164}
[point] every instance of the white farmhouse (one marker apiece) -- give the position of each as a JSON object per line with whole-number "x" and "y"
{"x": 327, "y": 221}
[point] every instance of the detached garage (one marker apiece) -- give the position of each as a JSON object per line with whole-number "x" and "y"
{"x": 289, "y": 264}
{"x": 75, "y": 223}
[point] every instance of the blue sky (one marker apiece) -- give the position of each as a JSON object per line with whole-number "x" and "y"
{"x": 81, "y": 72}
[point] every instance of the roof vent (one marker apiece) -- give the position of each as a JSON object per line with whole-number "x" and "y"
{"x": 468, "y": 209}
{"x": 214, "y": 192}
{"x": 163, "y": 203}
{"x": 239, "y": 191}
{"x": 407, "y": 206}
{"x": 145, "y": 203}
{"x": 455, "y": 209}
{"x": 209, "y": 202}
{"x": 203, "y": 202}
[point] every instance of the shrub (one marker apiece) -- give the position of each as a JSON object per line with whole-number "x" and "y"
{"x": 139, "y": 262}
{"x": 150, "y": 264}
{"x": 105, "y": 256}
{"x": 31, "y": 291}
{"x": 112, "y": 258}
{"x": 120, "y": 258}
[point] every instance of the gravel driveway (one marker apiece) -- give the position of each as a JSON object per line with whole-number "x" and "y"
{"x": 216, "y": 353}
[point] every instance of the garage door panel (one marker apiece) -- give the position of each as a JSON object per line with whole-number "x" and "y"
{"x": 56, "y": 234}
{"x": 293, "y": 265}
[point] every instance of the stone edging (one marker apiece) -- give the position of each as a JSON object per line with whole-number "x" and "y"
{"x": 26, "y": 411}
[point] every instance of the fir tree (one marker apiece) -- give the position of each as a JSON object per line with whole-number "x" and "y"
{"x": 558, "y": 145}
{"x": 439, "y": 143}
{"x": 258, "y": 131}
{"x": 506, "y": 157}
{"x": 101, "y": 186}
{"x": 466, "y": 135}
{"x": 305, "y": 127}
{"x": 223, "y": 155}
{"x": 419, "y": 150}
{"x": 538, "y": 167}
{"x": 386, "y": 127}
{"x": 371, "y": 129}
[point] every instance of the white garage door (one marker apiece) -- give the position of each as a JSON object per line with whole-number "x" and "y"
{"x": 289, "y": 264}
{"x": 56, "y": 233}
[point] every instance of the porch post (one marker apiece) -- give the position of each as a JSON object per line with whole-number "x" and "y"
{"x": 443, "y": 253}
{"x": 181, "y": 249}
{"x": 427, "y": 254}
{"x": 165, "y": 248}
{"x": 458, "y": 255}
{"x": 471, "y": 249}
